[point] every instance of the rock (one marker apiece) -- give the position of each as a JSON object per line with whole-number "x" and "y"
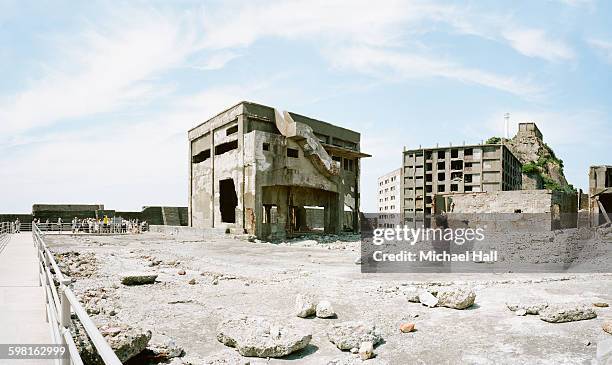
{"x": 126, "y": 341}
{"x": 366, "y": 350}
{"x": 412, "y": 294}
{"x": 138, "y": 278}
{"x": 520, "y": 312}
{"x": 167, "y": 349}
{"x": 358, "y": 261}
{"x": 354, "y": 350}
{"x": 607, "y": 326}
{"x": 181, "y": 272}
{"x": 530, "y": 308}
{"x": 601, "y": 304}
{"x": 346, "y": 335}
{"x": 566, "y": 313}
{"x": 260, "y": 337}
{"x": 407, "y": 327}
{"x": 426, "y": 298}
{"x": 457, "y": 298}
{"x": 325, "y": 310}
{"x": 215, "y": 281}
{"x": 192, "y": 281}
{"x": 304, "y": 305}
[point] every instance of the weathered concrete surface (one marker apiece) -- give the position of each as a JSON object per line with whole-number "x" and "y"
{"x": 263, "y": 279}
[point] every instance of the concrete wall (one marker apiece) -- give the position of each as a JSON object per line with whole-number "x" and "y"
{"x": 518, "y": 209}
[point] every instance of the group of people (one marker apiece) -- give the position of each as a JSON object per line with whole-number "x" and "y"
{"x": 96, "y": 225}
{"x": 16, "y": 226}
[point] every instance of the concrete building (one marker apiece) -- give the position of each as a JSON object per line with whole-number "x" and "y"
{"x": 258, "y": 171}
{"x": 389, "y": 201}
{"x": 600, "y": 194}
{"x": 430, "y": 171}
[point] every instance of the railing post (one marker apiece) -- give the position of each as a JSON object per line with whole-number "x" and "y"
{"x": 64, "y": 316}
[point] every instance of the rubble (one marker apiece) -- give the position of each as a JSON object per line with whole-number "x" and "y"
{"x": 138, "y": 278}
{"x": 260, "y": 337}
{"x": 457, "y": 298}
{"x": 366, "y": 350}
{"x": 407, "y": 327}
{"x": 428, "y": 299}
{"x": 325, "y": 310}
{"x": 304, "y": 305}
{"x": 568, "y": 312}
{"x": 347, "y": 335}
{"x": 607, "y": 326}
{"x": 529, "y": 307}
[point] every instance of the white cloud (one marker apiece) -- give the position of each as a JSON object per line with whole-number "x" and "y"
{"x": 536, "y": 43}
{"x": 104, "y": 69}
{"x": 603, "y": 47}
{"x": 217, "y": 61}
{"x": 393, "y": 65}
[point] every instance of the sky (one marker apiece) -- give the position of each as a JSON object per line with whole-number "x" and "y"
{"x": 96, "y": 97}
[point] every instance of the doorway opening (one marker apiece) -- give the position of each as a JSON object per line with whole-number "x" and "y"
{"x": 228, "y": 200}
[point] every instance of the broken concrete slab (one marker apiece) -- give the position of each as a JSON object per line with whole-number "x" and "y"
{"x": 348, "y": 335}
{"x": 457, "y": 298}
{"x": 136, "y": 278}
{"x": 559, "y": 313}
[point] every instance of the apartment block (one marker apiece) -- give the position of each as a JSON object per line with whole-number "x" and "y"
{"x": 475, "y": 168}
{"x": 389, "y": 189}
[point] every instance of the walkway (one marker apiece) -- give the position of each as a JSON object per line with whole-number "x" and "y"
{"x": 22, "y": 301}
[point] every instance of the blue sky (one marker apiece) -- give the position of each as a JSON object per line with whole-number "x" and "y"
{"x": 96, "y": 97}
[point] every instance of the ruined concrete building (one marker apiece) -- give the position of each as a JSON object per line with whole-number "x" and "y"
{"x": 600, "y": 194}
{"x": 256, "y": 170}
{"x": 476, "y": 168}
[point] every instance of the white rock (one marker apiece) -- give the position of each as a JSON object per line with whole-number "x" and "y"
{"x": 426, "y": 298}
{"x": 457, "y": 298}
{"x": 304, "y": 305}
{"x": 325, "y": 310}
{"x": 366, "y": 350}
{"x": 347, "y": 335}
{"x": 260, "y": 337}
{"x": 567, "y": 313}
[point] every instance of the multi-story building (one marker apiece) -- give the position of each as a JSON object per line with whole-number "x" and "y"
{"x": 256, "y": 170}
{"x": 389, "y": 190}
{"x": 430, "y": 171}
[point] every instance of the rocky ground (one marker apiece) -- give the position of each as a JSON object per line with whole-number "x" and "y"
{"x": 213, "y": 292}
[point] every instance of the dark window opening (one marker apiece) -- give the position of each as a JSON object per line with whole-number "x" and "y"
{"x": 266, "y": 147}
{"x": 468, "y": 188}
{"x": 226, "y": 147}
{"x": 468, "y": 178}
{"x": 440, "y": 188}
{"x": 228, "y": 200}
{"x": 428, "y": 189}
{"x": 518, "y": 211}
{"x": 454, "y": 153}
{"x": 292, "y": 152}
{"x": 337, "y": 159}
{"x": 468, "y": 152}
{"x": 441, "y": 176}
{"x": 457, "y": 165}
{"x": 454, "y": 187}
{"x": 348, "y": 164}
{"x": 231, "y": 130}
{"x": 440, "y": 154}
{"x": 441, "y": 166}
{"x": 428, "y": 178}
{"x": 200, "y": 157}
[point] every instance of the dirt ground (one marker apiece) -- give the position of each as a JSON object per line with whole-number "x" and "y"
{"x": 235, "y": 277}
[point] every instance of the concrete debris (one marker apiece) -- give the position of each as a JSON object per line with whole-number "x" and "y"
{"x": 347, "y": 335}
{"x": 192, "y": 281}
{"x": 366, "y": 350}
{"x": 305, "y": 305}
{"x": 407, "y": 327}
{"x": 520, "y": 312}
{"x": 77, "y": 264}
{"x": 325, "y": 310}
{"x": 412, "y": 294}
{"x": 601, "y": 304}
{"x": 138, "y": 278}
{"x": 181, "y": 272}
{"x": 457, "y": 298}
{"x": 428, "y": 299}
{"x": 567, "y": 313}
{"x": 607, "y": 326}
{"x": 167, "y": 349}
{"x": 125, "y": 340}
{"x": 529, "y": 307}
{"x": 260, "y": 337}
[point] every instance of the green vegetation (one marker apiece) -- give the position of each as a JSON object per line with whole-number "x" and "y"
{"x": 493, "y": 140}
{"x": 530, "y": 168}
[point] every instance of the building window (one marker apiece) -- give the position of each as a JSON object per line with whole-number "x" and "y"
{"x": 231, "y": 130}
{"x": 292, "y": 152}
{"x": 266, "y": 147}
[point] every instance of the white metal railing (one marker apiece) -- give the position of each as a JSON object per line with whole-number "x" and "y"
{"x": 5, "y": 234}
{"x": 113, "y": 227}
{"x": 61, "y": 303}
